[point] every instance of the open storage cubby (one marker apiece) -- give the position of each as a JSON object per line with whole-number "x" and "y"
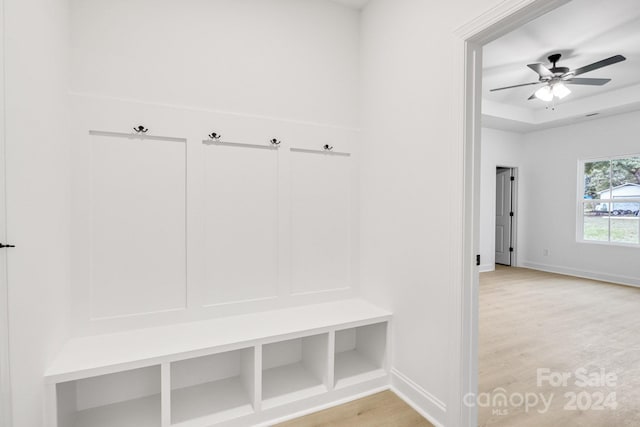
{"x": 294, "y": 369}
{"x": 218, "y": 386}
{"x": 240, "y": 370}
{"x": 360, "y": 354}
{"x": 123, "y": 399}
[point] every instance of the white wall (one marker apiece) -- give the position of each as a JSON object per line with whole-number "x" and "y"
{"x": 37, "y": 195}
{"x": 250, "y": 70}
{"x": 260, "y": 228}
{"x": 411, "y": 147}
{"x": 498, "y": 148}
{"x": 552, "y": 186}
{"x": 547, "y": 164}
{"x": 219, "y": 55}
{"x": 291, "y": 61}
{"x": 288, "y": 59}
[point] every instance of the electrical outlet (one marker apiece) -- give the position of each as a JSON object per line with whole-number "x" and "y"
{"x": 545, "y": 252}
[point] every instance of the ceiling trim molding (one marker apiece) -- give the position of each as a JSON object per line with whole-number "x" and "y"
{"x": 513, "y": 119}
{"x": 482, "y": 29}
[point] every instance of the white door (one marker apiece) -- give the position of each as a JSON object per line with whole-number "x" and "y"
{"x": 504, "y": 215}
{"x": 5, "y": 384}
{"x": 5, "y": 401}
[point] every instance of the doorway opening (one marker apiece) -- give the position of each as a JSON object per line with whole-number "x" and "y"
{"x": 486, "y": 28}
{"x": 505, "y": 216}
{"x": 526, "y": 297}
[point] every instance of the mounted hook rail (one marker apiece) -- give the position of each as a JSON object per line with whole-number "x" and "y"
{"x": 215, "y": 136}
{"x": 140, "y": 129}
{"x": 327, "y": 147}
{"x": 275, "y": 142}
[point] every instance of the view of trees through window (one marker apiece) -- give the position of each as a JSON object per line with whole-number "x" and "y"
{"x": 611, "y": 200}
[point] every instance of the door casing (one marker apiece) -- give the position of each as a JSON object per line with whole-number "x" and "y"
{"x": 494, "y": 23}
{"x": 504, "y": 197}
{"x": 512, "y": 220}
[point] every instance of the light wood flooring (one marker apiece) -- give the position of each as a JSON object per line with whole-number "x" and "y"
{"x": 379, "y": 410}
{"x": 531, "y": 320}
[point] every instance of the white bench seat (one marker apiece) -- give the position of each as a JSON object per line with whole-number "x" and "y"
{"x": 313, "y": 351}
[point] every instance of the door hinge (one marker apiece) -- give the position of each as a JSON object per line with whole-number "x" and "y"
{"x": 510, "y": 213}
{"x": 2, "y": 246}
{"x": 510, "y": 249}
{"x": 478, "y": 259}
{"x": 513, "y": 178}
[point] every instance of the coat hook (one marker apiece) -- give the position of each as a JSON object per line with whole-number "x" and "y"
{"x": 215, "y": 136}
{"x": 141, "y": 129}
{"x": 274, "y": 141}
{"x": 327, "y": 147}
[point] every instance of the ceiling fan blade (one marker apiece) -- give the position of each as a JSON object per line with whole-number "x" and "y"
{"x": 533, "y": 96}
{"x": 597, "y": 65}
{"x": 541, "y": 70}
{"x": 511, "y": 87}
{"x": 588, "y": 82}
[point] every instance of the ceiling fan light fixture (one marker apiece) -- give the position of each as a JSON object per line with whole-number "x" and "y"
{"x": 560, "y": 90}
{"x": 544, "y": 93}
{"x": 554, "y": 77}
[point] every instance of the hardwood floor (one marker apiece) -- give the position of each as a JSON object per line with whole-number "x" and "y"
{"x": 531, "y": 320}
{"x": 379, "y": 410}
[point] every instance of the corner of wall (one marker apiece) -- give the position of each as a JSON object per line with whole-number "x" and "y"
{"x": 427, "y": 405}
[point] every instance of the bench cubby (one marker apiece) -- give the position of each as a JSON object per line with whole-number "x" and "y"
{"x": 360, "y": 354}
{"x": 234, "y": 371}
{"x": 294, "y": 369}
{"x": 123, "y": 399}
{"x": 218, "y": 386}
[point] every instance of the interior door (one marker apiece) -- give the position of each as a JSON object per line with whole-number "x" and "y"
{"x": 5, "y": 384}
{"x": 503, "y": 216}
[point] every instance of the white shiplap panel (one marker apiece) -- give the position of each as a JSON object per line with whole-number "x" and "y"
{"x": 241, "y": 223}
{"x": 138, "y": 225}
{"x": 320, "y": 217}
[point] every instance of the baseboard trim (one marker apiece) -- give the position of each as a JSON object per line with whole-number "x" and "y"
{"x": 585, "y": 274}
{"x": 427, "y": 405}
{"x": 319, "y": 408}
{"x": 484, "y": 268}
{"x": 423, "y": 402}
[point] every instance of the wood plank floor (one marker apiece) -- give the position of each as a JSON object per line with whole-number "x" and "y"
{"x": 379, "y": 410}
{"x": 531, "y": 320}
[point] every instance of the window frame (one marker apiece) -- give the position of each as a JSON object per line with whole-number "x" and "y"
{"x": 581, "y": 202}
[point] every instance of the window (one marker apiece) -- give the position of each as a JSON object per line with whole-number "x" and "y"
{"x": 610, "y": 201}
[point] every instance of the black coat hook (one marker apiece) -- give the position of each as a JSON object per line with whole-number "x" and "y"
{"x": 274, "y": 141}
{"x": 141, "y": 129}
{"x": 327, "y": 147}
{"x": 215, "y": 136}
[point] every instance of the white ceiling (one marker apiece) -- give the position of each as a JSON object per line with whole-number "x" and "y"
{"x": 356, "y": 4}
{"x": 583, "y": 31}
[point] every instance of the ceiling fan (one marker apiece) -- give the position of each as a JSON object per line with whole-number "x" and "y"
{"x": 556, "y": 78}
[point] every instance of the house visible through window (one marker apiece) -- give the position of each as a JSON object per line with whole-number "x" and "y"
{"x": 611, "y": 200}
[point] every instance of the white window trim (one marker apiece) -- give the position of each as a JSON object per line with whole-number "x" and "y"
{"x": 581, "y": 202}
